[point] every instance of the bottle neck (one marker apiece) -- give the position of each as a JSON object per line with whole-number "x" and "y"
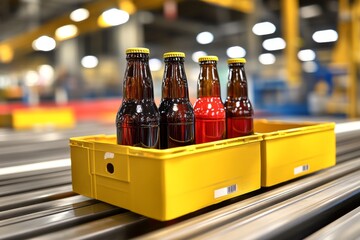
{"x": 237, "y": 81}
{"x": 208, "y": 82}
{"x": 138, "y": 84}
{"x": 174, "y": 84}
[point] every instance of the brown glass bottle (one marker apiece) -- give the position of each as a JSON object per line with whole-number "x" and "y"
{"x": 239, "y": 110}
{"x": 176, "y": 111}
{"x": 209, "y": 109}
{"x": 137, "y": 121}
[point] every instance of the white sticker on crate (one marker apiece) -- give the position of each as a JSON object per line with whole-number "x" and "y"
{"x": 108, "y": 155}
{"x": 301, "y": 169}
{"x": 225, "y": 191}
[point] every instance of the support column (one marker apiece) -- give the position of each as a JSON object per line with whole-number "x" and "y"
{"x": 290, "y": 24}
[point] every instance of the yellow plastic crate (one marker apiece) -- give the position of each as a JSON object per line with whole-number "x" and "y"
{"x": 164, "y": 184}
{"x": 291, "y": 150}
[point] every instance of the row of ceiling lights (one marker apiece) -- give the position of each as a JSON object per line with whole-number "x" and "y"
{"x": 114, "y": 16}
{"x": 111, "y": 17}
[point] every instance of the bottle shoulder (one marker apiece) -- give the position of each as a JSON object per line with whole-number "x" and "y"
{"x": 176, "y": 110}
{"x": 238, "y": 107}
{"x": 142, "y": 111}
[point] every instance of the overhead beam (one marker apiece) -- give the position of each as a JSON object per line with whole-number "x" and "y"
{"x": 245, "y": 6}
{"x": 21, "y": 44}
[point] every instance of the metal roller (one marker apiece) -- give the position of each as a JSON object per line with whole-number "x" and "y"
{"x": 34, "y": 197}
{"x": 36, "y": 184}
{"x": 60, "y": 220}
{"x": 43, "y": 209}
{"x": 346, "y": 227}
{"x": 296, "y": 217}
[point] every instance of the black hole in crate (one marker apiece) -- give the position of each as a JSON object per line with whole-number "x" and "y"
{"x": 110, "y": 168}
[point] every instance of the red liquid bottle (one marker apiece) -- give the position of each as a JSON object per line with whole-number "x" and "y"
{"x": 176, "y": 111}
{"x": 208, "y": 108}
{"x": 137, "y": 121}
{"x": 239, "y": 111}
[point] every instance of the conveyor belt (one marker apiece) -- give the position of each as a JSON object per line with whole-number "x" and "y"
{"x": 40, "y": 204}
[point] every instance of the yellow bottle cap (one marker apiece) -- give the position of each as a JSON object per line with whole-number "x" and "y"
{"x": 137, "y": 50}
{"x": 208, "y": 58}
{"x": 174, "y": 54}
{"x": 236, "y": 60}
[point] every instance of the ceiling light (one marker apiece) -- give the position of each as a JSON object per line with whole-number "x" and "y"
{"x": 273, "y": 44}
{"x": 31, "y": 78}
{"x": 89, "y": 61}
{"x": 235, "y": 52}
{"x": 46, "y": 73}
{"x": 44, "y": 43}
{"x": 79, "y": 14}
{"x": 113, "y": 17}
{"x": 267, "y": 59}
{"x": 66, "y": 32}
{"x": 196, "y": 55}
{"x": 324, "y": 36}
{"x": 205, "y": 37}
{"x": 155, "y": 64}
{"x": 306, "y": 55}
{"x": 263, "y": 28}
{"x": 310, "y": 11}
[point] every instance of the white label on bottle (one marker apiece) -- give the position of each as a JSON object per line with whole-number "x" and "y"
{"x": 108, "y": 155}
{"x": 301, "y": 169}
{"x": 225, "y": 191}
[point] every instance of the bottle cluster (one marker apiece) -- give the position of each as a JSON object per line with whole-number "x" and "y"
{"x": 176, "y": 122}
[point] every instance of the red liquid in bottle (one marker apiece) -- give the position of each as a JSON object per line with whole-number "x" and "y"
{"x": 210, "y": 124}
{"x": 210, "y": 119}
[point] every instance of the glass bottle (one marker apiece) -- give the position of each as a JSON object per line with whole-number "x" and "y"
{"x": 208, "y": 108}
{"x": 239, "y": 111}
{"x": 137, "y": 121}
{"x": 176, "y": 111}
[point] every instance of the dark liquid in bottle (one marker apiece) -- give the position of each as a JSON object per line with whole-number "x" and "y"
{"x": 239, "y": 111}
{"x": 239, "y": 126}
{"x": 137, "y": 121}
{"x": 137, "y": 125}
{"x": 176, "y": 112}
{"x": 176, "y": 123}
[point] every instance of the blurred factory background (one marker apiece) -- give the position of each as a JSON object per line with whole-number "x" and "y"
{"x": 303, "y": 56}
{"x": 61, "y": 71}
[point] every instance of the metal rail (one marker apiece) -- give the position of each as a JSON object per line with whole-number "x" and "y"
{"x": 228, "y": 214}
{"x": 346, "y": 227}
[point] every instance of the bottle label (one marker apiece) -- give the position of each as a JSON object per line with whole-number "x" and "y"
{"x": 225, "y": 191}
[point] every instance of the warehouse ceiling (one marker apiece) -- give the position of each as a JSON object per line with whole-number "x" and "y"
{"x": 22, "y": 20}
